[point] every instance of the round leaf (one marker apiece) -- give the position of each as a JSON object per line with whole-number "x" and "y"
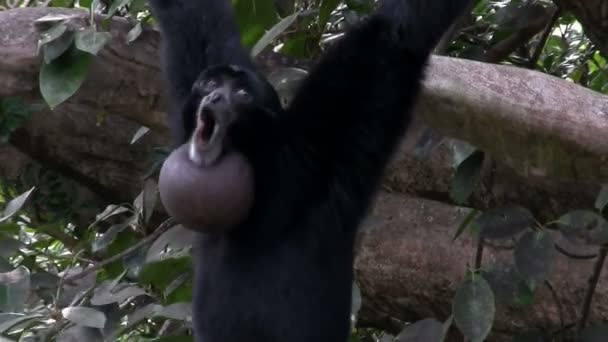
{"x": 473, "y": 308}
{"x": 61, "y": 78}
{"x": 504, "y": 281}
{"x": 534, "y": 256}
{"x": 91, "y": 41}
{"x": 504, "y": 223}
{"x": 584, "y": 227}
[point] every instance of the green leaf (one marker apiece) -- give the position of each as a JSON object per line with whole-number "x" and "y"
{"x": 473, "y": 308}
{"x": 56, "y": 31}
{"x": 150, "y": 198}
{"x": 105, "y": 240}
{"x": 134, "y": 33}
{"x": 15, "y": 205}
{"x": 467, "y": 175}
{"x": 465, "y": 223}
{"x": 140, "y": 133}
{"x": 54, "y": 49}
{"x": 584, "y": 227}
{"x": 160, "y": 274}
{"x": 535, "y": 256}
{"x": 273, "y": 33}
{"x": 325, "y": 10}
{"x": 106, "y": 293}
{"x": 504, "y": 223}
{"x": 14, "y": 289}
{"x": 91, "y": 41}
{"x": 461, "y": 150}
{"x": 15, "y": 320}
{"x": 175, "y": 239}
{"x": 254, "y": 17}
{"x": 602, "y": 199}
{"x": 60, "y": 79}
{"x": 505, "y": 282}
{"x": 178, "y": 311}
{"x": 85, "y": 316}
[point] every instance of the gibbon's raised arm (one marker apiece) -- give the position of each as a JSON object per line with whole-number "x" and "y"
{"x": 350, "y": 112}
{"x": 195, "y": 34}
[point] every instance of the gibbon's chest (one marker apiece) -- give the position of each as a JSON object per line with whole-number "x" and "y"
{"x": 247, "y": 292}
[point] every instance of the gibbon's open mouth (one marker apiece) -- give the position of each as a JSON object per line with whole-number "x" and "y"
{"x": 207, "y": 126}
{"x": 207, "y": 143}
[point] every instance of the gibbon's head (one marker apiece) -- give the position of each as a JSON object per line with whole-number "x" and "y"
{"x": 207, "y": 184}
{"x": 228, "y": 98}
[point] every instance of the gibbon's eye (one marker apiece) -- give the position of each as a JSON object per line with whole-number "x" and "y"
{"x": 243, "y": 95}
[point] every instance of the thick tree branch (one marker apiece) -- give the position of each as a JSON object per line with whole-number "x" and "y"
{"x": 548, "y": 130}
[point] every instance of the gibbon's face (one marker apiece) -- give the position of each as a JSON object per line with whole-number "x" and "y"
{"x": 224, "y": 96}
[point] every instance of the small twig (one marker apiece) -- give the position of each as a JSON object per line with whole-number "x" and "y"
{"x": 62, "y": 280}
{"x": 479, "y": 253}
{"x": 543, "y": 39}
{"x": 560, "y": 310}
{"x": 593, "y": 280}
{"x": 169, "y": 223}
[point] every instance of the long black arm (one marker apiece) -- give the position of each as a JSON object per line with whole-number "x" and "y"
{"x": 196, "y": 34}
{"x": 350, "y": 113}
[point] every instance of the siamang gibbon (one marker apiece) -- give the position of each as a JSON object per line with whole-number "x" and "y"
{"x": 283, "y": 272}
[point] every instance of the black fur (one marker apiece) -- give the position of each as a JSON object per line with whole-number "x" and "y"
{"x": 285, "y": 274}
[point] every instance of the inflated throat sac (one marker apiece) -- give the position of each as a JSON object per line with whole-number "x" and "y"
{"x": 208, "y": 199}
